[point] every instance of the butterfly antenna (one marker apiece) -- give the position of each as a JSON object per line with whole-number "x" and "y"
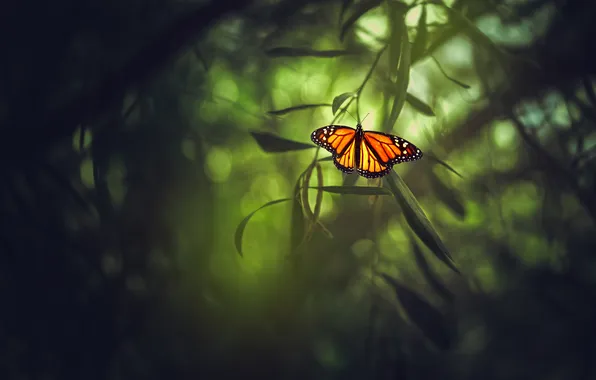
{"x": 352, "y": 116}
{"x": 365, "y": 117}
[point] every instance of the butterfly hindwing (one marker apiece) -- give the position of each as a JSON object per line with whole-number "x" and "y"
{"x": 369, "y": 164}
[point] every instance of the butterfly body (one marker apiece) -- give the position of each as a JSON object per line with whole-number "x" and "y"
{"x": 371, "y": 154}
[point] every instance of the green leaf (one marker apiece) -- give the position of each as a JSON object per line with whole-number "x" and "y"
{"x": 298, "y": 226}
{"x": 397, "y": 14}
{"x": 242, "y": 226}
{"x": 328, "y": 158}
{"x": 419, "y": 105}
{"x": 434, "y": 158}
{"x": 429, "y": 320}
{"x": 403, "y": 79}
{"x": 345, "y": 4}
{"x": 360, "y": 9}
{"x": 274, "y": 144}
{"x": 357, "y": 190}
{"x": 339, "y": 100}
{"x": 417, "y": 219}
{"x": 447, "y": 195}
{"x": 297, "y": 108}
{"x": 457, "y": 82}
{"x": 306, "y": 52}
{"x": 428, "y": 273}
{"x": 419, "y": 46}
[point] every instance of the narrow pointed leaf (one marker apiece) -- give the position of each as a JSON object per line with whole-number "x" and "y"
{"x": 306, "y": 52}
{"x": 339, "y": 100}
{"x": 434, "y": 158}
{"x": 345, "y": 4}
{"x": 328, "y": 158}
{"x": 350, "y": 179}
{"x": 242, "y": 226}
{"x": 274, "y": 144}
{"x": 357, "y": 190}
{"x": 403, "y": 79}
{"x": 397, "y": 13}
{"x": 428, "y": 273}
{"x": 298, "y": 226}
{"x": 417, "y": 219}
{"x": 428, "y": 319}
{"x": 447, "y": 195}
{"x": 457, "y": 82}
{"x": 419, "y": 105}
{"x": 359, "y": 10}
{"x": 297, "y": 108}
{"x": 419, "y": 46}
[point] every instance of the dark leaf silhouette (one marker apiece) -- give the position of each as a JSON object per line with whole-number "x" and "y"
{"x": 297, "y": 108}
{"x": 418, "y": 220}
{"x": 434, "y": 158}
{"x": 403, "y": 79}
{"x": 457, "y": 82}
{"x": 448, "y": 196}
{"x": 419, "y": 45}
{"x": 242, "y": 226}
{"x": 428, "y": 273}
{"x": 357, "y": 190}
{"x": 360, "y": 9}
{"x": 428, "y": 319}
{"x": 274, "y": 144}
{"x": 306, "y": 52}
{"x": 339, "y": 100}
{"x": 298, "y": 226}
{"x": 419, "y": 105}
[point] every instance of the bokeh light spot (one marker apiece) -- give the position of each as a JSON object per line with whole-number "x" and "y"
{"x": 218, "y": 165}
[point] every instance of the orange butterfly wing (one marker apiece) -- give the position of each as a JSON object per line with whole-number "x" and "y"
{"x": 341, "y": 142}
{"x": 380, "y": 151}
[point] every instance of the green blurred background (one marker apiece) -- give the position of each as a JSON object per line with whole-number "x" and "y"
{"x": 139, "y": 135}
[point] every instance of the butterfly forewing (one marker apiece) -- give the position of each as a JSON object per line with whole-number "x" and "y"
{"x": 390, "y": 149}
{"x": 334, "y": 138}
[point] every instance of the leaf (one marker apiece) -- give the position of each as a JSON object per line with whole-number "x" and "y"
{"x": 419, "y": 105}
{"x": 298, "y": 226}
{"x": 274, "y": 144}
{"x": 357, "y": 190}
{"x": 459, "y": 83}
{"x": 419, "y": 46}
{"x": 428, "y": 319}
{"x": 297, "y": 108}
{"x": 345, "y": 4}
{"x": 242, "y": 226}
{"x": 403, "y": 79}
{"x": 360, "y": 9}
{"x": 328, "y": 158}
{"x": 339, "y": 100}
{"x": 418, "y": 220}
{"x": 306, "y": 52}
{"x": 434, "y": 158}
{"x": 397, "y": 13}
{"x": 428, "y": 273}
{"x": 447, "y": 195}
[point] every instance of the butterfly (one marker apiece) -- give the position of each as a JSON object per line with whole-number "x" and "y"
{"x": 372, "y": 154}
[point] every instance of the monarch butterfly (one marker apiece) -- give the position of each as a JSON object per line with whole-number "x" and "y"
{"x": 372, "y": 154}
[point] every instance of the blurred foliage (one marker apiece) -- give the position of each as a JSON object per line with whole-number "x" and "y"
{"x": 141, "y": 138}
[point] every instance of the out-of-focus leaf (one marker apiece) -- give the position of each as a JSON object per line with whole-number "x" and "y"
{"x": 297, "y": 108}
{"x": 429, "y": 320}
{"x": 418, "y": 220}
{"x": 350, "y": 179}
{"x": 318, "y": 202}
{"x": 457, "y": 82}
{"x": 589, "y": 90}
{"x": 274, "y": 144}
{"x": 242, "y": 226}
{"x": 304, "y": 193}
{"x": 419, "y": 105}
{"x": 339, "y": 100}
{"x": 434, "y": 158}
{"x": 298, "y": 226}
{"x": 306, "y": 52}
{"x": 428, "y": 273}
{"x": 403, "y": 79}
{"x": 358, "y": 190}
{"x": 397, "y": 13}
{"x": 447, "y": 195}
{"x": 419, "y": 46}
{"x": 345, "y": 4}
{"x": 328, "y": 158}
{"x": 360, "y": 9}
